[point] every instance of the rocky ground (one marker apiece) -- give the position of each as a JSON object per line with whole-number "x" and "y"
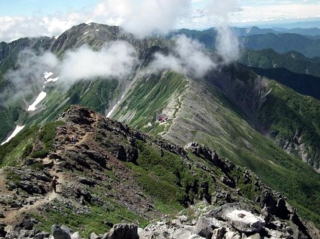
{"x": 100, "y": 166}
{"x": 230, "y": 221}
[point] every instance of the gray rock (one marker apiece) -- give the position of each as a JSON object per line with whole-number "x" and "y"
{"x": 60, "y": 232}
{"x": 245, "y": 221}
{"x": 75, "y": 235}
{"x": 2, "y": 230}
{"x": 240, "y": 218}
{"x": 182, "y": 233}
{"x": 204, "y": 227}
{"x": 219, "y": 233}
{"x": 227, "y": 181}
{"x": 41, "y": 235}
{"x": 94, "y": 236}
{"x": 254, "y": 236}
{"x": 232, "y": 235}
{"x": 123, "y": 231}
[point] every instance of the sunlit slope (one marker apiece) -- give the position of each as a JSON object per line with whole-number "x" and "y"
{"x": 203, "y": 113}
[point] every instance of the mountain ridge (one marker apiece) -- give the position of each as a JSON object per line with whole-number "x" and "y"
{"x": 82, "y": 144}
{"x": 219, "y": 111}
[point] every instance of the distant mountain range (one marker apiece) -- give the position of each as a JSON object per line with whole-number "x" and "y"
{"x": 281, "y": 41}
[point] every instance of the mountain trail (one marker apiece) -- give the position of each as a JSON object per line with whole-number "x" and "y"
{"x": 3, "y": 180}
{"x": 14, "y": 215}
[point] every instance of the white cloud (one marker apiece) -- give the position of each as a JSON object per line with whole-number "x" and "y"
{"x": 227, "y": 45}
{"x": 188, "y": 57}
{"x": 114, "y": 60}
{"x": 143, "y": 17}
{"x": 13, "y": 28}
{"x": 146, "y": 16}
{"x": 28, "y": 74}
{"x": 276, "y": 12}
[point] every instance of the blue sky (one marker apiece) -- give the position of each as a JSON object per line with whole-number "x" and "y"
{"x": 21, "y": 18}
{"x": 47, "y": 7}
{"x": 42, "y": 7}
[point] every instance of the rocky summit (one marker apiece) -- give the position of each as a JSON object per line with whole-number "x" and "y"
{"x": 82, "y": 175}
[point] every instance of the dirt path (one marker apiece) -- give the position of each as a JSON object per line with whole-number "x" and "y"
{"x": 14, "y": 215}
{"x": 3, "y": 180}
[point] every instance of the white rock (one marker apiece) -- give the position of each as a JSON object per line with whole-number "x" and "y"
{"x": 232, "y": 235}
{"x": 75, "y": 235}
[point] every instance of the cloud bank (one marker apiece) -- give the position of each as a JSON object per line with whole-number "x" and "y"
{"x": 116, "y": 60}
{"x": 144, "y": 17}
{"x": 177, "y": 14}
{"x": 188, "y": 57}
{"x": 227, "y": 44}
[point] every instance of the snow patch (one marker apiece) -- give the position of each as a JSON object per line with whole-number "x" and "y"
{"x": 115, "y": 106}
{"x": 13, "y": 134}
{"x": 52, "y": 80}
{"x": 40, "y": 98}
{"x": 121, "y": 98}
{"x": 47, "y": 75}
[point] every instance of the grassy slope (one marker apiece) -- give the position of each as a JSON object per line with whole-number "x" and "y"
{"x": 12, "y": 112}
{"x": 282, "y": 43}
{"x": 148, "y": 98}
{"x": 208, "y": 118}
{"x": 293, "y": 114}
{"x": 96, "y": 94}
{"x": 167, "y": 178}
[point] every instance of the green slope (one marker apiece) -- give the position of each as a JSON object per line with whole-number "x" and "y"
{"x": 292, "y": 61}
{"x": 207, "y": 116}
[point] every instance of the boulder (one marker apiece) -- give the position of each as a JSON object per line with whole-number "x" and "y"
{"x": 232, "y": 235}
{"x": 94, "y": 236}
{"x": 206, "y": 225}
{"x": 41, "y": 235}
{"x": 255, "y": 236}
{"x": 28, "y": 223}
{"x": 244, "y": 221}
{"x": 75, "y": 235}
{"x": 123, "y": 231}
{"x": 239, "y": 217}
{"x": 3, "y": 232}
{"x": 182, "y": 233}
{"x": 60, "y": 232}
{"x": 219, "y": 233}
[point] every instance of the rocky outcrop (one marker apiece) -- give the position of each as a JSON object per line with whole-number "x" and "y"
{"x": 230, "y": 221}
{"x": 211, "y": 156}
